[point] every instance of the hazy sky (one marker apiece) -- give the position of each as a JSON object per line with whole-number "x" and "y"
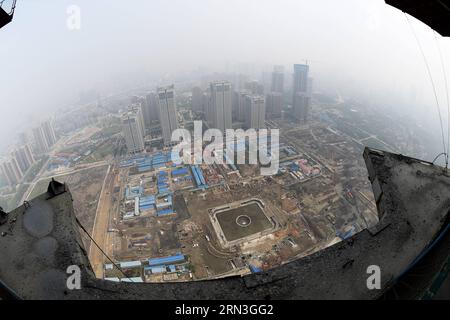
{"x": 364, "y": 46}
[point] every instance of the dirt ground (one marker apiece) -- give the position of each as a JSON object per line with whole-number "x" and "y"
{"x": 232, "y": 231}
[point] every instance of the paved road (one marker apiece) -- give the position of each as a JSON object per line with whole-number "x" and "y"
{"x": 101, "y": 222}
{"x": 35, "y": 180}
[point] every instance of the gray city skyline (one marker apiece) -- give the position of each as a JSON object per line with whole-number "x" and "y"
{"x": 363, "y": 48}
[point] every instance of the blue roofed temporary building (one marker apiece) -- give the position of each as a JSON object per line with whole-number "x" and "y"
{"x": 151, "y": 199}
{"x": 347, "y": 233}
{"x": 167, "y": 260}
{"x": 254, "y": 269}
{"x": 146, "y": 207}
{"x": 165, "y": 212}
{"x": 147, "y": 202}
{"x": 159, "y": 160}
{"x": 172, "y": 268}
{"x": 145, "y": 165}
{"x": 198, "y": 176}
{"x": 163, "y": 190}
{"x": 163, "y": 187}
{"x": 163, "y": 205}
{"x": 158, "y": 165}
{"x": 181, "y": 171}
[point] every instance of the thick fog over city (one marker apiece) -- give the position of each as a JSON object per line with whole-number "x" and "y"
{"x": 206, "y": 139}
{"x": 359, "y": 49}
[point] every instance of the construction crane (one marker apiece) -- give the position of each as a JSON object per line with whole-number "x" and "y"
{"x": 6, "y": 15}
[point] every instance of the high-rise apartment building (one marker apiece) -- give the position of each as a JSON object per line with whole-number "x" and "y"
{"x": 44, "y": 137}
{"x": 310, "y": 87}
{"x": 137, "y": 110}
{"x": 167, "y": 112}
{"x": 274, "y": 103}
{"x": 197, "y": 99}
{"x": 24, "y": 157}
{"x": 301, "y": 99}
{"x": 235, "y": 106}
{"x": 302, "y": 104}
{"x": 12, "y": 171}
{"x": 49, "y": 133}
{"x": 40, "y": 143}
{"x": 151, "y": 113}
{"x": 132, "y": 130}
{"x": 277, "y": 84}
{"x": 240, "y": 104}
{"x": 220, "y": 108}
{"x": 208, "y": 107}
{"x": 300, "y": 81}
{"x": 255, "y": 111}
{"x": 140, "y": 103}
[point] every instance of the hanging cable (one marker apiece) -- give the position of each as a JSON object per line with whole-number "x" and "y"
{"x": 103, "y": 252}
{"x": 431, "y": 80}
{"x": 446, "y": 91}
{"x": 437, "y": 157}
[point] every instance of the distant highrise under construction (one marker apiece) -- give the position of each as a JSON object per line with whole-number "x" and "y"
{"x": 301, "y": 95}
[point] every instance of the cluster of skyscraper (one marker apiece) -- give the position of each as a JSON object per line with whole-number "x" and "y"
{"x": 44, "y": 137}
{"x": 251, "y": 104}
{"x": 220, "y": 105}
{"x": 23, "y": 157}
{"x": 143, "y": 112}
{"x": 20, "y": 161}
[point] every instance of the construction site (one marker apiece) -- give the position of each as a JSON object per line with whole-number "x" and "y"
{"x": 159, "y": 221}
